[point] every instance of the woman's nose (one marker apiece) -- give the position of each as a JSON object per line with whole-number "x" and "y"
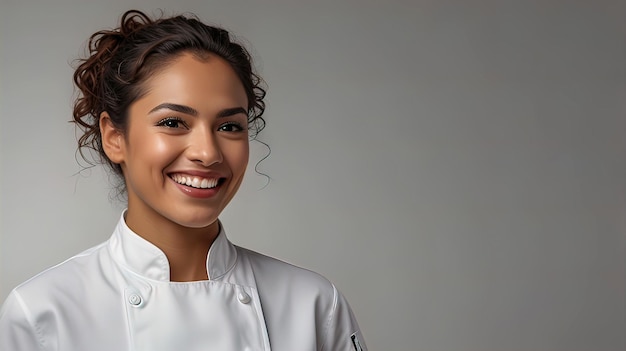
{"x": 204, "y": 148}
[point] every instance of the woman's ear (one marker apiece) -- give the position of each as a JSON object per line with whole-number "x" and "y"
{"x": 112, "y": 139}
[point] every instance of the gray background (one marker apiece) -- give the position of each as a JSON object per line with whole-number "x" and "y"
{"x": 457, "y": 168}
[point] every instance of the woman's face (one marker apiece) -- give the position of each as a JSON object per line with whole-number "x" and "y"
{"x": 186, "y": 146}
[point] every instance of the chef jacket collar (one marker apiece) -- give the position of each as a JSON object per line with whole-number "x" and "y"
{"x": 144, "y": 258}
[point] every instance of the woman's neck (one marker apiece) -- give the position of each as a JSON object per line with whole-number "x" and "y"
{"x": 186, "y": 249}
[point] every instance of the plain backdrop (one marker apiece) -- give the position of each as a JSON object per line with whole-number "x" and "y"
{"x": 457, "y": 168}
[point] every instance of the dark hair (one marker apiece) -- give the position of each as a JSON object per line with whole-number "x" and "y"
{"x": 120, "y": 60}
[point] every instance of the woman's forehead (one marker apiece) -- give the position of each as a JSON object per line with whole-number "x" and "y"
{"x": 199, "y": 83}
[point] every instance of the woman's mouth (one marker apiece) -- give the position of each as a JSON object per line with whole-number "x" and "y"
{"x": 195, "y": 181}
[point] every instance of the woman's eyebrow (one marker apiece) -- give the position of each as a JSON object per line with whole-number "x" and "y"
{"x": 193, "y": 112}
{"x": 176, "y": 107}
{"x": 231, "y": 112}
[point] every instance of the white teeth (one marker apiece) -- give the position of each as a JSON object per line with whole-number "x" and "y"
{"x": 196, "y": 182}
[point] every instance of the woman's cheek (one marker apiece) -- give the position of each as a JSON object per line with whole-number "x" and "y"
{"x": 162, "y": 145}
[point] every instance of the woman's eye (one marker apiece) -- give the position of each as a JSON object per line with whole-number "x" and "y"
{"x": 171, "y": 122}
{"x": 231, "y": 127}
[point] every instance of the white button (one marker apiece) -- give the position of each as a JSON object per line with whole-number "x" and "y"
{"x": 243, "y": 297}
{"x": 134, "y": 299}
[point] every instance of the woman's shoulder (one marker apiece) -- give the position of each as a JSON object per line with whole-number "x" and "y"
{"x": 72, "y": 272}
{"x": 306, "y": 299}
{"x": 267, "y": 268}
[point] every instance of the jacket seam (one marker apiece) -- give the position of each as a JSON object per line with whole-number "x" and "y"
{"x": 36, "y": 330}
{"x": 257, "y": 289}
{"x": 330, "y": 317}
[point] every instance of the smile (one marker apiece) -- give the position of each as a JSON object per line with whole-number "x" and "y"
{"x": 195, "y": 182}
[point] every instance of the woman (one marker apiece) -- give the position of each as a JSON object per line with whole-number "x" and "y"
{"x": 170, "y": 105}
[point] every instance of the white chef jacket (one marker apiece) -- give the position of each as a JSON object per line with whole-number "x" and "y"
{"x": 118, "y": 296}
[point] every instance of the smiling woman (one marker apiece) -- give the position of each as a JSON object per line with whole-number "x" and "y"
{"x": 170, "y": 105}
{"x": 189, "y": 130}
